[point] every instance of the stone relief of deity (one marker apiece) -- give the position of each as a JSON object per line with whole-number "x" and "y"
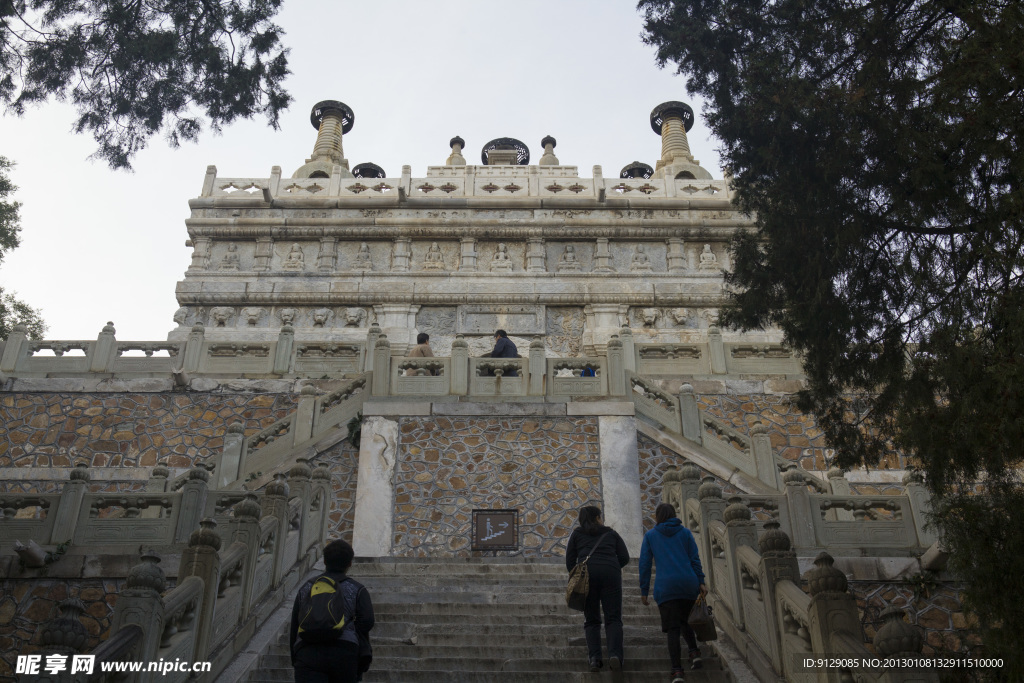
{"x": 363, "y": 261}
{"x": 434, "y": 260}
{"x": 564, "y": 331}
{"x": 641, "y": 262}
{"x": 295, "y": 259}
{"x": 230, "y": 260}
{"x": 708, "y": 260}
{"x": 501, "y": 262}
{"x": 568, "y": 262}
{"x": 181, "y": 315}
{"x": 354, "y": 317}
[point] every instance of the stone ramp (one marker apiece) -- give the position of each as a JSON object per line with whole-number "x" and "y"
{"x": 491, "y": 619}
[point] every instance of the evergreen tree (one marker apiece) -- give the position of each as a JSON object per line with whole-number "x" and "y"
{"x": 878, "y": 145}
{"x": 135, "y": 68}
{"x": 12, "y": 310}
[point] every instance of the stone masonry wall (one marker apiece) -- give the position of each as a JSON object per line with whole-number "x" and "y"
{"x": 111, "y": 430}
{"x": 342, "y": 460}
{"x": 547, "y": 467}
{"x": 939, "y": 613}
{"x": 26, "y": 605}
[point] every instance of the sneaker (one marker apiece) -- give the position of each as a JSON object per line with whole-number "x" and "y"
{"x": 595, "y": 665}
{"x": 677, "y": 676}
{"x": 615, "y": 662}
{"x": 695, "y": 661}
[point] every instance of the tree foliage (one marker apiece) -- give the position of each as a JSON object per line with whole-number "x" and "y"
{"x": 12, "y": 310}
{"x": 878, "y": 145}
{"x": 136, "y": 67}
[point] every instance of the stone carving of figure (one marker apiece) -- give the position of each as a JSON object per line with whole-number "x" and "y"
{"x": 434, "y": 259}
{"x": 363, "y": 258}
{"x": 230, "y": 260}
{"x": 181, "y": 315}
{"x": 650, "y": 316}
{"x": 354, "y": 317}
{"x": 641, "y": 261}
{"x": 679, "y": 315}
{"x": 501, "y": 260}
{"x": 220, "y": 315}
{"x": 288, "y": 315}
{"x": 295, "y": 259}
{"x": 322, "y": 316}
{"x": 252, "y": 315}
{"x": 569, "y": 262}
{"x": 708, "y": 260}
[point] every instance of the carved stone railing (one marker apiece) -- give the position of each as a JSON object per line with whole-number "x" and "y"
{"x": 752, "y": 573}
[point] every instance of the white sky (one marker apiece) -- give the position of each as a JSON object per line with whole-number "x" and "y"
{"x": 100, "y": 245}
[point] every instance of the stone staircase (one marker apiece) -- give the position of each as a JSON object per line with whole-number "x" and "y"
{"x": 463, "y": 621}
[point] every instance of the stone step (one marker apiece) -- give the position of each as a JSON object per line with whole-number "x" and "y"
{"x": 540, "y": 675}
{"x": 481, "y": 608}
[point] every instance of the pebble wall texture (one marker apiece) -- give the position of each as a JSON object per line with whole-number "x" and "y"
{"x": 547, "y": 467}
{"x": 655, "y": 460}
{"x": 342, "y": 460}
{"x": 26, "y": 606}
{"x": 111, "y": 430}
{"x": 939, "y": 614}
{"x": 124, "y": 486}
{"x": 795, "y": 435}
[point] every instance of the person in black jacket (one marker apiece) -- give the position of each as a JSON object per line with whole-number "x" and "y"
{"x": 342, "y": 660}
{"x": 606, "y": 555}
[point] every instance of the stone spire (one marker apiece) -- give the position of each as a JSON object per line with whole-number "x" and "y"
{"x": 331, "y": 119}
{"x": 672, "y": 120}
{"x": 456, "y": 158}
{"x": 549, "y": 158}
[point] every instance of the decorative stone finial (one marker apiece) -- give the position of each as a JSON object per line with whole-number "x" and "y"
{"x": 20, "y": 328}
{"x": 537, "y": 343}
{"x": 199, "y": 328}
{"x": 461, "y": 343}
{"x": 737, "y": 512}
{"x": 236, "y": 428}
{"x": 505, "y": 152}
{"x": 689, "y": 472}
{"x": 671, "y": 475}
{"x": 368, "y": 170}
{"x": 382, "y": 343}
{"x": 160, "y": 470}
{"x": 278, "y": 487}
{"x": 321, "y": 472}
{"x": 709, "y": 489}
{"x": 199, "y": 473}
{"x": 205, "y": 535}
{"x": 455, "y": 158}
{"x": 637, "y": 169}
{"x": 794, "y": 476}
{"x": 773, "y": 539}
{"x": 147, "y": 574}
{"x": 825, "y": 577}
{"x": 758, "y": 428}
{"x": 66, "y": 630}
{"x": 548, "y": 158}
{"x": 896, "y": 636}
{"x": 614, "y": 342}
{"x": 109, "y": 328}
{"x": 331, "y": 119}
{"x": 836, "y": 472}
{"x": 686, "y": 389}
{"x": 248, "y": 508}
{"x": 300, "y": 470}
{"x": 80, "y": 473}
{"x": 308, "y": 390}
{"x": 913, "y": 477}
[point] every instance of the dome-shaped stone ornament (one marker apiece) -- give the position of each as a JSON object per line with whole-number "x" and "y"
{"x": 278, "y": 487}
{"x": 368, "y": 170}
{"x": 147, "y": 574}
{"x": 758, "y": 428}
{"x": 460, "y": 342}
{"x": 794, "y": 476}
{"x": 709, "y": 489}
{"x": 689, "y": 472}
{"x": 535, "y": 344}
{"x": 671, "y": 109}
{"x": 671, "y": 474}
{"x": 236, "y": 428}
{"x": 300, "y": 470}
{"x": 773, "y": 539}
{"x": 248, "y": 508}
{"x": 109, "y": 328}
{"x": 913, "y": 477}
{"x": 321, "y": 109}
{"x": 836, "y": 473}
{"x": 895, "y": 635}
{"x": 457, "y": 140}
{"x": 205, "y": 535}
{"x": 80, "y": 473}
{"x": 161, "y": 470}
{"x": 199, "y": 473}
{"x": 826, "y": 577}
{"x": 737, "y": 512}
{"x": 637, "y": 169}
{"x": 320, "y": 472}
{"x": 66, "y": 631}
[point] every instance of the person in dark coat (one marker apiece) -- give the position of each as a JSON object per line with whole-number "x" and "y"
{"x": 504, "y": 348}
{"x": 342, "y": 660}
{"x": 607, "y": 555}
{"x": 677, "y": 583}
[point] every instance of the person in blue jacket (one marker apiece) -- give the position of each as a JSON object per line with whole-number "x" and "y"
{"x": 678, "y": 582}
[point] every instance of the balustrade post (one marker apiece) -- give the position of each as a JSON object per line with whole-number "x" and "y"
{"x": 202, "y": 558}
{"x": 157, "y": 483}
{"x": 371, "y": 344}
{"x": 717, "y": 349}
{"x": 764, "y": 460}
{"x": 139, "y": 603}
{"x": 833, "y": 610}
{"x": 70, "y": 505}
{"x": 285, "y": 351}
{"x": 14, "y": 348}
{"x": 799, "y": 503}
{"x": 460, "y": 366}
{"x": 538, "y": 367}
{"x": 192, "y": 503}
{"x": 64, "y": 635}
{"x": 616, "y": 370}
{"x": 302, "y": 421}
{"x": 104, "y": 351}
{"x": 711, "y": 508}
{"x": 897, "y": 639}
{"x": 739, "y": 530}
{"x": 920, "y": 506}
{"x": 689, "y": 414}
{"x": 381, "y": 366}
{"x": 299, "y": 478}
{"x": 628, "y": 349}
{"x": 275, "y": 504}
{"x": 245, "y": 528}
{"x": 778, "y": 563}
{"x": 193, "y": 354}
{"x": 229, "y": 460}
{"x": 839, "y": 486}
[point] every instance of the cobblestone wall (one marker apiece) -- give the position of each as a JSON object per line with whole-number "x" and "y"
{"x": 546, "y": 467}
{"x": 111, "y": 430}
{"x": 795, "y": 435}
{"x": 26, "y": 606}
{"x": 343, "y": 463}
{"x": 940, "y": 613}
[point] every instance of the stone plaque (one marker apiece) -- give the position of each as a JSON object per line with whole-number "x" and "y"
{"x": 485, "y": 319}
{"x": 495, "y": 530}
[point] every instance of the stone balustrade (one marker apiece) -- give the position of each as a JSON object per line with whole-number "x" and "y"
{"x": 753, "y": 574}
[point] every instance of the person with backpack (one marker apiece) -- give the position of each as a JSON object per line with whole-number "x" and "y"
{"x": 677, "y": 583}
{"x": 331, "y": 622}
{"x": 605, "y": 553}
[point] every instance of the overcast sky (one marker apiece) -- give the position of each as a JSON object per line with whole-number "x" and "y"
{"x": 101, "y": 245}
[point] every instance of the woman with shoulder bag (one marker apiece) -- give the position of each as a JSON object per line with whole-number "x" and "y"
{"x": 677, "y": 584}
{"x": 605, "y": 554}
